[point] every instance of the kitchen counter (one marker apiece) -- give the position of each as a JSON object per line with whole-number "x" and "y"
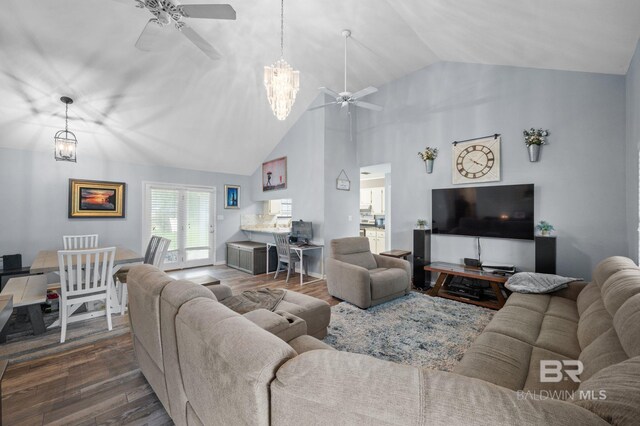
{"x": 265, "y": 229}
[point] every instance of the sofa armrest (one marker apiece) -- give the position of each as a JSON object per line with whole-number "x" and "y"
{"x": 221, "y": 291}
{"x": 349, "y": 282}
{"x": 392, "y": 262}
{"x": 572, "y": 291}
{"x": 346, "y": 388}
{"x": 302, "y": 344}
{"x": 282, "y": 324}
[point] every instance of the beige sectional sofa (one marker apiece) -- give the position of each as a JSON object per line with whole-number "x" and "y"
{"x": 212, "y": 366}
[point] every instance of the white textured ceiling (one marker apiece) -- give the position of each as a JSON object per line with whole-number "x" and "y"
{"x": 178, "y": 108}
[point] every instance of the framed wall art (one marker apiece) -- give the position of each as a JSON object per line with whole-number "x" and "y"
{"x": 96, "y": 199}
{"x": 232, "y": 196}
{"x": 274, "y": 174}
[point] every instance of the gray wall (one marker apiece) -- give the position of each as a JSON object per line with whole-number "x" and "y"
{"x": 303, "y": 146}
{"x": 341, "y": 208}
{"x": 580, "y": 178}
{"x": 633, "y": 145}
{"x": 34, "y": 194}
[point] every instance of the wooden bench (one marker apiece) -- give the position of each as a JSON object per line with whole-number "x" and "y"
{"x": 28, "y": 292}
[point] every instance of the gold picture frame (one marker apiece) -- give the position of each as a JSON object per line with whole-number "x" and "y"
{"x": 96, "y": 199}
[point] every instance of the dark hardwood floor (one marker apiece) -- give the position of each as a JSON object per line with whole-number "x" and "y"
{"x": 101, "y": 383}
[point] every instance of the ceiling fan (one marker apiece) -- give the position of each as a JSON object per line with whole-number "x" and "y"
{"x": 166, "y": 11}
{"x": 346, "y": 98}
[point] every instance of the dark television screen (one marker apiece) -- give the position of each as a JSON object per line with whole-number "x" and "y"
{"x": 485, "y": 211}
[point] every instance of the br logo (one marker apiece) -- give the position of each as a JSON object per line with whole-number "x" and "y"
{"x": 554, "y": 371}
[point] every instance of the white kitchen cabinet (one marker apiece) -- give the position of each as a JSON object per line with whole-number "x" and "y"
{"x": 376, "y": 240}
{"x": 377, "y": 200}
{"x": 365, "y": 198}
{"x": 274, "y": 207}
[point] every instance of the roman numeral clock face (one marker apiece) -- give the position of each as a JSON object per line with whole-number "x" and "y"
{"x": 476, "y": 161}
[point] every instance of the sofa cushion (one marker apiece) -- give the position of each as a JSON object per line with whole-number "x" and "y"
{"x": 559, "y": 335}
{"x": 620, "y": 384}
{"x": 533, "y": 382}
{"x": 627, "y": 325}
{"x": 601, "y": 353}
{"x": 517, "y": 322}
{"x": 610, "y": 266}
{"x": 620, "y": 287}
{"x": 315, "y": 312}
{"x": 534, "y": 302}
{"x": 385, "y": 282}
{"x": 594, "y": 321}
{"x": 306, "y": 343}
{"x": 225, "y": 377}
{"x": 587, "y": 297}
{"x": 145, "y": 286}
{"x": 563, "y": 308}
{"x": 497, "y": 359}
{"x": 353, "y": 250}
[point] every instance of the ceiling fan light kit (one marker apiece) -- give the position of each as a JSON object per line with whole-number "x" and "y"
{"x": 281, "y": 81}
{"x": 65, "y": 142}
{"x": 346, "y": 98}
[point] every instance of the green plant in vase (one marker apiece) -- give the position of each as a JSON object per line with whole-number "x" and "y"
{"x": 534, "y": 139}
{"x": 545, "y": 228}
{"x": 421, "y": 223}
{"x": 428, "y": 156}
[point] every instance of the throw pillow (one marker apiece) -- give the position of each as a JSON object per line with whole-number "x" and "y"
{"x": 531, "y": 282}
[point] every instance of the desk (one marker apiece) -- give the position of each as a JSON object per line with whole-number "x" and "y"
{"x": 446, "y": 272}
{"x": 300, "y": 250}
{"x": 47, "y": 261}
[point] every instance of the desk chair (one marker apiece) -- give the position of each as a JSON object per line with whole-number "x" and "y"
{"x": 286, "y": 256}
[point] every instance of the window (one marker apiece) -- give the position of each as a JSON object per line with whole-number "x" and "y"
{"x": 184, "y": 215}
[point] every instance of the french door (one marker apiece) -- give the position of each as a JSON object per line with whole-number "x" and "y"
{"x": 185, "y": 215}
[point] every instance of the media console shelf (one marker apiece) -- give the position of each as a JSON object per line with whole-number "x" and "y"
{"x": 446, "y": 273}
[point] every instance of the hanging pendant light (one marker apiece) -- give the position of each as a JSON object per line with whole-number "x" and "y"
{"x": 281, "y": 80}
{"x": 65, "y": 142}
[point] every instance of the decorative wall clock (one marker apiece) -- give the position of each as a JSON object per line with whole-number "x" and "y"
{"x": 476, "y": 160}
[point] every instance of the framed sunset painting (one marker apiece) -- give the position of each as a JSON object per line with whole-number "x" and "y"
{"x": 96, "y": 199}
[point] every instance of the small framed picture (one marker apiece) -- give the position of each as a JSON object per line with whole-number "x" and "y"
{"x": 274, "y": 174}
{"x": 96, "y": 199}
{"x": 232, "y": 196}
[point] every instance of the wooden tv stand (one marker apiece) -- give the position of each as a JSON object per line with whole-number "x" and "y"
{"x": 446, "y": 272}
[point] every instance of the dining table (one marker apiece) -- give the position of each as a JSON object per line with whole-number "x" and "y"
{"x": 47, "y": 261}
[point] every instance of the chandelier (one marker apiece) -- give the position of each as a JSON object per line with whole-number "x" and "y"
{"x": 65, "y": 142}
{"x": 281, "y": 80}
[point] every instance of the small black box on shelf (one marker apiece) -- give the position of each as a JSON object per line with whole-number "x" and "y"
{"x": 11, "y": 261}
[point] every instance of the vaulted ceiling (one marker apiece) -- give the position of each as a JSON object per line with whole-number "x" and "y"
{"x": 178, "y": 108}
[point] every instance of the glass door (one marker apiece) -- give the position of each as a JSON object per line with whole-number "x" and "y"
{"x": 184, "y": 215}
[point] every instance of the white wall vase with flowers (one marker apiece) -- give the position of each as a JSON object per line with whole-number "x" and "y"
{"x": 428, "y": 156}
{"x": 534, "y": 139}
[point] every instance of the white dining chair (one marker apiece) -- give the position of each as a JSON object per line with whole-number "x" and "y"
{"x": 80, "y": 242}
{"x": 155, "y": 255}
{"x": 85, "y": 276}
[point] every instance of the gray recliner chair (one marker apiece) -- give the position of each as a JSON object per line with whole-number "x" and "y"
{"x": 365, "y": 279}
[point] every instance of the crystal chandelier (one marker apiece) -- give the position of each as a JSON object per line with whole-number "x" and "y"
{"x": 65, "y": 142}
{"x": 281, "y": 80}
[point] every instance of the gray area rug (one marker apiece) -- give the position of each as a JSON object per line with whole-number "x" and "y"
{"x": 417, "y": 330}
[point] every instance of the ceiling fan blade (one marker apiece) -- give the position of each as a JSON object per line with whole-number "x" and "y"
{"x": 367, "y": 105}
{"x": 364, "y": 92}
{"x": 330, "y": 92}
{"x": 149, "y": 38}
{"x": 208, "y": 11}
{"x": 201, "y": 43}
{"x": 321, "y": 106}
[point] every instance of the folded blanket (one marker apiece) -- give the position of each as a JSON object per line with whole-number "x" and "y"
{"x": 250, "y": 300}
{"x": 531, "y": 282}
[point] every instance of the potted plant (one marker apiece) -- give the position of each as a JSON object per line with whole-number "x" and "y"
{"x": 428, "y": 155}
{"x": 545, "y": 228}
{"x": 421, "y": 223}
{"x": 534, "y": 139}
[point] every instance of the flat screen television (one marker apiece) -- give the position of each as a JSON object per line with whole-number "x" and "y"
{"x": 484, "y": 211}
